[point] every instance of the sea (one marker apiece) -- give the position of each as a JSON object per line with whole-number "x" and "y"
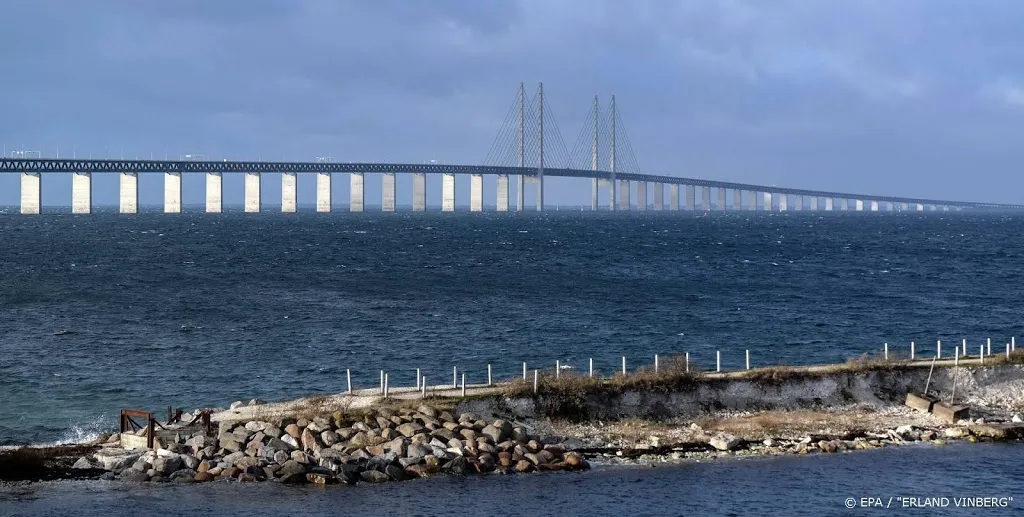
{"x": 194, "y": 310}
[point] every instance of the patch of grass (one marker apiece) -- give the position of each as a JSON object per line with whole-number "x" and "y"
{"x": 1016, "y": 357}
{"x": 863, "y": 364}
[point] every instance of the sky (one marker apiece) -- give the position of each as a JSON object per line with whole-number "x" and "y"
{"x": 917, "y": 98}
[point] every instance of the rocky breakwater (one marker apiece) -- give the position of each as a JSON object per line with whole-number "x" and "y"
{"x": 375, "y": 446}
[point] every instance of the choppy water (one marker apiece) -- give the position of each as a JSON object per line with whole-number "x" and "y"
{"x": 817, "y": 486}
{"x": 105, "y": 311}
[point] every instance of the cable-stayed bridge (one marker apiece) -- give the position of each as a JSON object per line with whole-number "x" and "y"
{"x": 528, "y": 147}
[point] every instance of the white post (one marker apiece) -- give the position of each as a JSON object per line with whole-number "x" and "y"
{"x": 382, "y": 382}
{"x": 524, "y": 371}
{"x": 988, "y": 347}
{"x": 956, "y": 357}
{"x": 1007, "y": 351}
{"x": 558, "y": 368}
{"x": 965, "y": 348}
{"x": 417, "y": 378}
{"x": 911, "y": 350}
{"x": 591, "y": 366}
{"x": 535, "y": 381}
{"x": 687, "y": 362}
{"x": 981, "y": 354}
{"x": 423, "y": 386}
{"x": 655, "y": 363}
{"x": 455, "y": 377}
{"x": 489, "y": 375}
{"x": 885, "y": 351}
{"x": 385, "y": 385}
{"x": 1013, "y": 343}
{"x": 938, "y": 349}
{"x": 718, "y": 360}
{"x": 748, "y": 359}
{"x": 463, "y": 385}
{"x": 623, "y": 365}
{"x": 348, "y": 375}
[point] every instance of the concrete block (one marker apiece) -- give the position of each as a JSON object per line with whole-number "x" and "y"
{"x": 949, "y": 412}
{"x": 920, "y": 402}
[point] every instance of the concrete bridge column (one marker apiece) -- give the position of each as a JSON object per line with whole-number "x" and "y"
{"x": 289, "y": 192}
{"x": 419, "y": 192}
{"x": 448, "y": 192}
{"x": 659, "y": 197}
{"x": 721, "y": 199}
{"x": 829, "y": 204}
{"x": 387, "y": 192}
{"x": 945, "y": 208}
{"x": 673, "y": 197}
{"x": 904, "y": 207}
{"x": 540, "y": 191}
{"x": 858, "y": 205}
{"x": 918, "y": 207}
{"x": 81, "y": 193}
{"x": 783, "y": 202}
{"x": 253, "y": 203}
{"x": 874, "y": 206}
{"x": 798, "y": 202}
{"x": 705, "y": 198}
{"x": 641, "y": 196}
{"x": 476, "y": 193}
{"x": 520, "y": 192}
{"x": 691, "y": 197}
{"x": 595, "y": 185}
{"x": 172, "y": 193}
{"x": 31, "y": 193}
{"x": 766, "y": 202}
{"x": 502, "y": 202}
{"x": 356, "y": 192}
{"x": 814, "y": 203}
{"x": 214, "y": 193}
{"x": 623, "y": 196}
{"x": 128, "y": 198}
{"x": 737, "y": 199}
{"x": 323, "y": 192}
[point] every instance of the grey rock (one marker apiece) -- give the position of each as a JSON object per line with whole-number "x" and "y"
{"x": 725, "y": 442}
{"x": 190, "y": 461}
{"x": 233, "y": 457}
{"x": 117, "y": 460}
{"x": 165, "y": 465}
{"x": 291, "y": 467}
{"x": 374, "y": 476}
{"x": 272, "y": 431}
{"x": 82, "y": 463}
{"x": 280, "y": 457}
{"x": 395, "y": 472}
{"x": 411, "y": 428}
{"x": 133, "y": 476}
{"x": 329, "y": 438}
{"x": 236, "y": 404}
{"x": 290, "y": 440}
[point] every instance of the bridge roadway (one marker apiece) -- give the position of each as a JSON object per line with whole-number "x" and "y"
{"x": 36, "y": 166}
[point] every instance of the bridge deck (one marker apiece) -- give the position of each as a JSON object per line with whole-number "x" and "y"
{"x": 43, "y": 165}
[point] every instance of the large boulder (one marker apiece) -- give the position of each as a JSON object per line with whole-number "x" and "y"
{"x": 116, "y": 460}
{"x": 411, "y": 428}
{"x": 374, "y": 476}
{"x": 725, "y": 442}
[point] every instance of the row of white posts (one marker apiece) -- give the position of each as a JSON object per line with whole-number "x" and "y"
{"x": 421, "y": 380}
{"x": 984, "y": 350}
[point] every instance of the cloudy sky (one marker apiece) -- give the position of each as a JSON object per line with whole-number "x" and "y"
{"x": 917, "y": 97}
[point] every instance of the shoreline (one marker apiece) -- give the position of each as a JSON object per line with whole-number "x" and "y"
{"x": 644, "y": 419}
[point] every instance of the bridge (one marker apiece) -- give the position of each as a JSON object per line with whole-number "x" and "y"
{"x": 518, "y": 153}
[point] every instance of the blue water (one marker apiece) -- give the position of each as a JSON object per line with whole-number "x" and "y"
{"x": 106, "y": 311}
{"x": 817, "y": 486}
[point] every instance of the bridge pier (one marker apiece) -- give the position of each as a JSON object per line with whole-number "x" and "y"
{"x": 323, "y": 192}
{"x": 540, "y": 191}
{"x": 918, "y": 207}
{"x": 595, "y": 184}
{"x": 356, "y": 193}
{"x": 721, "y": 199}
{"x": 659, "y": 197}
{"x": 829, "y": 204}
{"x": 874, "y": 206}
{"x": 172, "y": 193}
{"x": 691, "y": 197}
{"x": 673, "y": 197}
{"x": 448, "y": 192}
{"x": 476, "y": 193}
{"x": 289, "y": 192}
{"x": 419, "y": 192}
{"x": 128, "y": 198}
{"x": 502, "y": 201}
{"x": 798, "y": 203}
{"x": 858, "y": 205}
{"x": 814, "y": 203}
{"x": 214, "y": 192}
{"x": 31, "y": 193}
{"x": 253, "y": 202}
{"x": 623, "y": 196}
{"x": 737, "y": 199}
{"x": 766, "y": 201}
{"x": 387, "y": 192}
{"x": 783, "y": 202}
{"x": 705, "y": 198}
{"x": 520, "y": 192}
{"x": 81, "y": 193}
{"x": 641, "y": 196}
